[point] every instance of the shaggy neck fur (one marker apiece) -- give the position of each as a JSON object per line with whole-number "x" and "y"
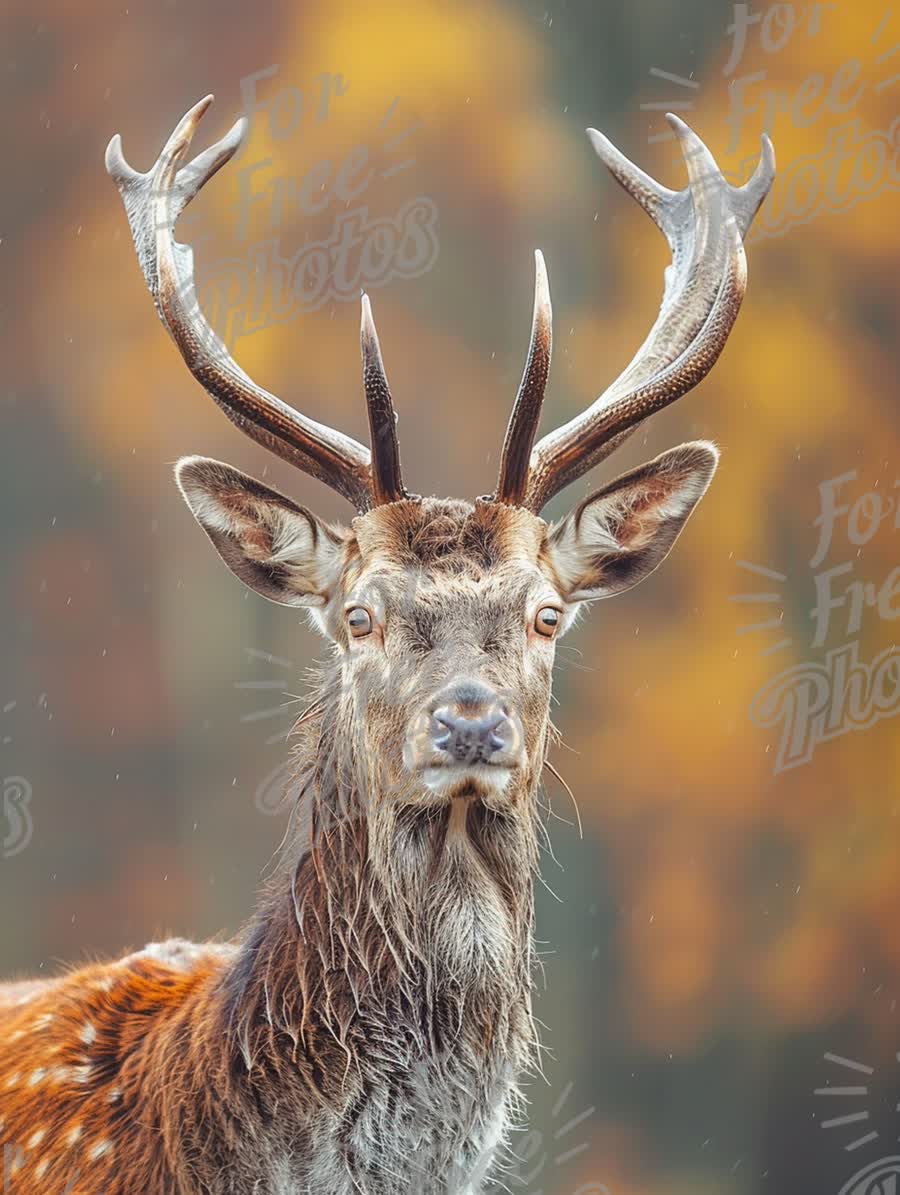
{"x": 379, "y": 1011}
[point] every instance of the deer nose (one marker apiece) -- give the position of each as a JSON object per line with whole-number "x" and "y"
{"x": 469, "y": 740}
{"x": 471, "y": 724}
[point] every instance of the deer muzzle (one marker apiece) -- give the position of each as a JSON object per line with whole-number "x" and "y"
{"x": 468, "y": 735}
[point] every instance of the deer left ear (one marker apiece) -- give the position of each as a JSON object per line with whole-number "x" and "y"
{"x": 275, "y": 546}
{"x": 618, "y": 535}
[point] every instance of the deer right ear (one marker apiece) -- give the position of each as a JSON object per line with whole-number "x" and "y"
{"x": 276, "y": 547}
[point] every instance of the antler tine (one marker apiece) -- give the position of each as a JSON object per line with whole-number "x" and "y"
{"x": 704, "y": 286}
{"x": 387, "y": 481}
{"x": 526, "y": 412}
{"x": 153, "y": 202}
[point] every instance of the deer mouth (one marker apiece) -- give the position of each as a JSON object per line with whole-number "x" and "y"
{"x": 466, "y": 781}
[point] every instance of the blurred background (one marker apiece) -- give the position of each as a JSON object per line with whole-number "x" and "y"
{"x": 722, "y": 944}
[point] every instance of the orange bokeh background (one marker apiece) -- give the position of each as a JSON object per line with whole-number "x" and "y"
{"x": 723, "y": 925}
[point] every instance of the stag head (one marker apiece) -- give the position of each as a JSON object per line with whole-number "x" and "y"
{"x": 444, "y": 615}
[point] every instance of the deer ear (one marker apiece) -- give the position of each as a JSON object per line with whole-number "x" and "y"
{"x": 277, "y": 548}
{"x": 618, "y": 535}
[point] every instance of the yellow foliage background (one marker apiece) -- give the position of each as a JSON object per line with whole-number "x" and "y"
{"x": 723, "y": 925}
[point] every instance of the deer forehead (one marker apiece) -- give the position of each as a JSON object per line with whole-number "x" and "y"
{"x": 438, "y": 536}
{"x": 439, "y": 562}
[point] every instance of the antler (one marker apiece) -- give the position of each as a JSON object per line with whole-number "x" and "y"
{"x": 704, "y": 225}
{"x": 153, "y": 203}
{"x": 387, "y": 484}
{"x": 526, "y": 412}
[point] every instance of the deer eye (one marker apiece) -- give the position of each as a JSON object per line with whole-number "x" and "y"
{"x": 359, "y": 620}
{"x": 546, "y": 621}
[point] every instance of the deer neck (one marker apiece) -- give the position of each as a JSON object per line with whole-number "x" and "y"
{"x": 388, "y": 924}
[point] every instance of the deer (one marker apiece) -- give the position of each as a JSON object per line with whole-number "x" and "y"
{"x": 371, "y": 1029}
